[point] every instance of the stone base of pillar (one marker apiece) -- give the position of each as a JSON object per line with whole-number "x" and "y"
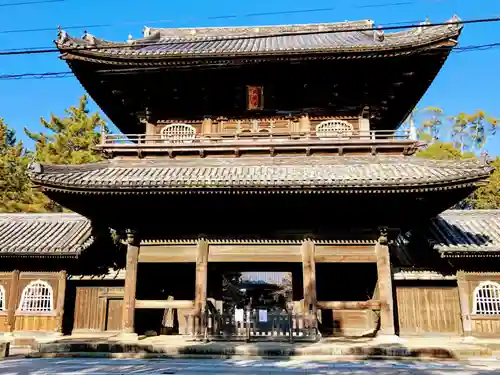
{"x": 125, "y": 336}
{"x": 468, "y": 339}
{"x": 388, "y": 339}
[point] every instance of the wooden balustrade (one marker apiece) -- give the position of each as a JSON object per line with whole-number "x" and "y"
{"x": 220, "y": 138}
{"x": 279, "y": 326}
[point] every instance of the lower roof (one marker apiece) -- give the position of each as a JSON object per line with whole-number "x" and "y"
{"x": 462, "y": 232}
{"x": 454, "y": 232}
{"x": 333, "y": 173}
{"x": 65, "y": 234}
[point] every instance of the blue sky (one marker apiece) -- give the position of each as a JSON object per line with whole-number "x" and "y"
{"x": 469, "y": 80}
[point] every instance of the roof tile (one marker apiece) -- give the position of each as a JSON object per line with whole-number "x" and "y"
{"x": 459, "y": 231}
{"x": 262, "y": 172}
{"x": 44, "y": 234}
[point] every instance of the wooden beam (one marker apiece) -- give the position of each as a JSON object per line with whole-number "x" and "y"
{"x": 384, "y": 283}
{"x": 345, "y": 254}
{"x": 255, "y": 253}
{"x": 348, "y": 305}
{"x": 164, "y": 304}
{"x": 130, "y": 283}
{"x": 309, "y": 278}
{"x": 464, "y": 297}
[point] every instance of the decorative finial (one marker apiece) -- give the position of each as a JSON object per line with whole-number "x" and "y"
{"x": 378, "y": 35}
{"x": 146, "y": 31}
{"x": 130, "y": 37}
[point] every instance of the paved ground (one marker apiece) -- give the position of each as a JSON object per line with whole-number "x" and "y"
{"x": 258, "y": 367}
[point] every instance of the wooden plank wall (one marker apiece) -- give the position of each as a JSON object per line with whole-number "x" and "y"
{"x": 14, "y": 320}
{"x": 428, "y": 309}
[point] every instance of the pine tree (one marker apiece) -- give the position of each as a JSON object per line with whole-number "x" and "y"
{"x": 71, "y": 139}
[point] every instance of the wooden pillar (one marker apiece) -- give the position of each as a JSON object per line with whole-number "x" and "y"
{"x": 61, "y": 294}
{"x": 304, "y": 124}
{"x": 384, "y": 283}
{"x": 464, "y": 296}
{"x": 206, "y": 126}
{"x": 309, "y": 279}
{"x": 130, "y": 282}
{"x": 12, "y": 301}
{"x": 200, "y": 295}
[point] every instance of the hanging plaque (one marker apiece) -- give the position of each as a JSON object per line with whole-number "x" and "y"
{"x": 255, "y": 98}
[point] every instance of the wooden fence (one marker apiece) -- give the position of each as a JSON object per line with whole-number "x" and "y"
{"x": 278, "y": 326}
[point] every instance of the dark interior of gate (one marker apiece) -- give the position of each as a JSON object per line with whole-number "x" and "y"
{"x": 273, "y": 287}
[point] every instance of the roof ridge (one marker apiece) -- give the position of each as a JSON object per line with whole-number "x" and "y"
{"x": 40, "y": 215}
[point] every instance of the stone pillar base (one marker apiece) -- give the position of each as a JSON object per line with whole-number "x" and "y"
{"x": 125, "y": 336}
{"x": 388, "y": 339}
{"x": 468, "y": 339}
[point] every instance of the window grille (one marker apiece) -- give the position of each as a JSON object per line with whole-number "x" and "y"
{"x": 334, "y": 129}
{"x": 178, "y": 133}
{"x": 2, "y": 298}
{"x": 37, "y": 297}
{"x": 487, "y": 299}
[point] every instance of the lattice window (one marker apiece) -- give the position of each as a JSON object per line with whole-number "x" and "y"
{"x": 37, "y": 297}
{"x": 178, "y": 133}
{"x": 2, "y": 299}
{"x": 334, "y": 129}
{"x": 487, "y": 299}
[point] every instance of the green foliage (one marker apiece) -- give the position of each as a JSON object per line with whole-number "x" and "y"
{"x": 16, "y": 192}
{"x": 488, "y": 196}
{"x": 71, "y": 139}
{"x": 469, "y": 134}
{"x": 443, "y": 151}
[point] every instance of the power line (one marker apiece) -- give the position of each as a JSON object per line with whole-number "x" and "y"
{"x": 228, "y": 16}
{"x": 66, "y": 74}
{"x": 33, "y": 50}
{"x": 30, "y": 3}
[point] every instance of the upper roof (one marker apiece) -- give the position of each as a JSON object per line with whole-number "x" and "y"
{"x": 456, "y": 232}
{"x": 334, "y": 173}
{"x": 29, "y": 234}
{"x": 341, "y": 37}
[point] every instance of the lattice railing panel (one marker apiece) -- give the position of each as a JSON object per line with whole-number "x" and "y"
{"x": 37, "y": 297}
{"x": 178, "y": 133}
{"x": 487, "y": 299}
{"x": 334, "y": 129}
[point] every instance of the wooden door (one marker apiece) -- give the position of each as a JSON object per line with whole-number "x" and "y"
{"x": 98, "y": 309}
{"x": 429, "y": 310}
{"x": 114, "y": 314}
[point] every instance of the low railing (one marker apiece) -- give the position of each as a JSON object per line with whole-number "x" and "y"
{"x": 155, "y": 140}
{"x": 278, "y": 326}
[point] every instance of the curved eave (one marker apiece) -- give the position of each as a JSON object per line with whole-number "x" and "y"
{"x": 442, "y": 46}
{"x": 466, "y": 183}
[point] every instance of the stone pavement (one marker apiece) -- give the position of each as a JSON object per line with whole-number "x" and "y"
{"x": 255, "y": 367}
{"x": 443, "y": 348}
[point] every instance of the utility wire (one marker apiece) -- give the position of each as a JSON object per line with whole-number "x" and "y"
{"x": 228, "y": 16}
{"x": 30, "y": 3}
{"x": 66, "y": 74}
{"x": 32, "y": 50}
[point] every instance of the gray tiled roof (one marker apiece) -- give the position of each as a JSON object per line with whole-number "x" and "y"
{"x": 458, "y": 231}
{"x": 358, "y": 36}
{"x": 44, "y": 234}
{"x": 315, "y": 172}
